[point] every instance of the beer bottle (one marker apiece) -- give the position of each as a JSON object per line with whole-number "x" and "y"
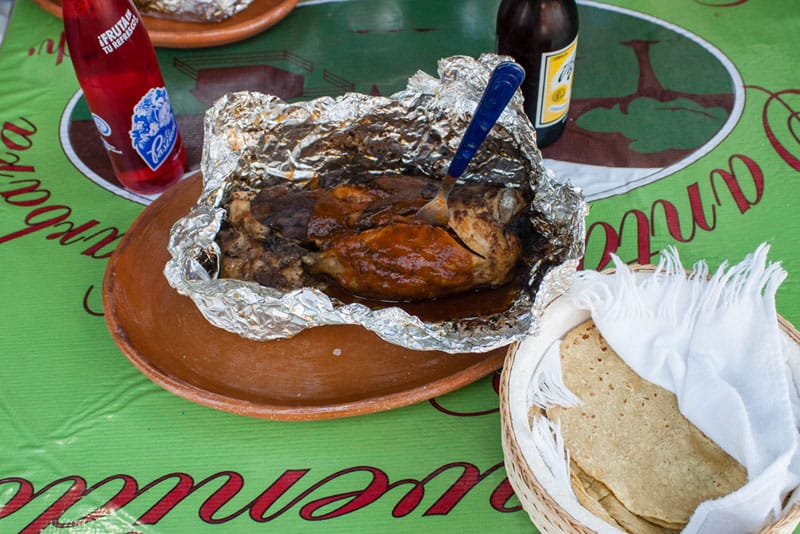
{"x": 116, "y": 67}
{"x": 542, "y": 36}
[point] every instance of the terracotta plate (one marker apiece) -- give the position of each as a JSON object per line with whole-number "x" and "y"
{"x": 257, "y": 17}
{"x": 324, "y": 372}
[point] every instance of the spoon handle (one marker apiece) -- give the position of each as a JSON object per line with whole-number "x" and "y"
{"x": 503, "y": 83}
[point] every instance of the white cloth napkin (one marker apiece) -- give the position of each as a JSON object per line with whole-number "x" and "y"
{"x": 716, "y": 344}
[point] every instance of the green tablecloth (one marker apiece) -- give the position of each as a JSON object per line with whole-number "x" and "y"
{"x": 684, "y": 132}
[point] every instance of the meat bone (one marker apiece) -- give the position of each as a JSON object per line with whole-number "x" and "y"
{"x": 502, "y": 85}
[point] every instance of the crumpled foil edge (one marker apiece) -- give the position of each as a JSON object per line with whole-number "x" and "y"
{"x": 261, "y": 313}
{"x": 192, "y": 10}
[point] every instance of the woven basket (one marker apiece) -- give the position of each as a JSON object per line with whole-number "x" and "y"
{"x": 550, "y": 517}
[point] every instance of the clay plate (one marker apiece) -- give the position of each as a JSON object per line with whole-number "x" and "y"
{"x": 323, "y": 372}
{"x": 257, "y": 17}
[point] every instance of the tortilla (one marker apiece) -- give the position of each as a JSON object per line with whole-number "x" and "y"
{"x": 598, "y": 499}
{"x": 629, "y": 435}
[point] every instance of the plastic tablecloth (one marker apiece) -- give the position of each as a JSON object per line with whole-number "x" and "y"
{"x": 683, "y": 131}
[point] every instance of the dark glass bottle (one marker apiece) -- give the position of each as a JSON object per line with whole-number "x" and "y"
{"x": 542, "y": 36}
{"x": 117, "y": 69}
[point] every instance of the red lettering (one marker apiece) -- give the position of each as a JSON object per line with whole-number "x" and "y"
{"x": 438, "y": 406}
{"x": 183, "y": 487}
{"x": 729, "y": 4}
{"x": 219, "y": 498}
{"x": 32, "y": 226}
{"x": 790, "y": 123}
{"x": 468, "y": 480}
{"x": 740, "y": 168}
{"x": 410, "y": 500}
{"x": 50, "y": 515}
{"x": 29, "y": 193}
{"x": 475, "y": 413}
{"x": 22, "y": 497}
{"x": 16, "y": 137}
{"x": 642, "y": 235}
{"x": 263, "y": 502}
{"x": 86, "y": 306}
{"x": 500, "y": 497}
{"x": 124, "y": 496}
{"x": 11, "y": 166}
{"x": 673, "y": 221}
{"x": 49, "y": 48}
{"x": 112, "y": 234}
{"x": 610, "y": 245}
{"x": 355, "y": 500}
{"x": 71, "y": 235}
{"x": 698, "y": 214}
{"x": 232, "y": 484}
{"x": 32, "y": 195}
{"x": 62, "y": 48}
{"x": 732, "y": 182}
{"x": 42, "y": 196}
{"x": 130, "y": 491}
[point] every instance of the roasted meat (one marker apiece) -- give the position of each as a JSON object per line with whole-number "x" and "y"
{"x": 252, "y": 251}
{"x": 363, "y": 237}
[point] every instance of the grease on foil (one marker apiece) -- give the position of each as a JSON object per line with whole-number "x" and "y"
{"x": 192, "y": 10}
{"x": 253, "y": 140}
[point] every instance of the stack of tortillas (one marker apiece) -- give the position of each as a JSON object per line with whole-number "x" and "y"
{"x": 635, "y": 460}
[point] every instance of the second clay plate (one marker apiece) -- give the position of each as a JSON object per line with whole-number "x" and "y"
{"x": 323, "y": 372}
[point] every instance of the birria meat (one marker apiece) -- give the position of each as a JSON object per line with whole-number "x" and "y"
{"x": 362, "y": 237}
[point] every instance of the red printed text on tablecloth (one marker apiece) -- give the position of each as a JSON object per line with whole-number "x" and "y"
{"x": 39, "y": 214}
{"x": 741, "y": 183}
{"x": 303, "y": 492}
{"x": 51, "y": 47}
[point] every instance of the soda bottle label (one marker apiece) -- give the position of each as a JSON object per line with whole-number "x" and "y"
{"x": 119, "y": 33}
{"x": 102, "y": 126}
{"x": 154, "y": 129}
{"x": 555, "y": 86}
{"x": 104, "y": 129}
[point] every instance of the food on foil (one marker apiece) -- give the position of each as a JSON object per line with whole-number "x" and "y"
{"x": 192, "y": 10}
{"x": 362, "y": 236}
{"x": 298, "y": 198}
{"x": 635, "y": 460}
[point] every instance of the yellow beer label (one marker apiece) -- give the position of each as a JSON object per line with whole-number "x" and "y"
{"x": 555, "y": 85}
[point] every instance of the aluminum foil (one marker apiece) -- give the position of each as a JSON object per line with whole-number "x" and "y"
{"x": 191, "y": 10}
{"x": 253, "y": 140}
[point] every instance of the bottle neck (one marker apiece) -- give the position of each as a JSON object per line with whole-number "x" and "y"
{"x": 107, "y": 11}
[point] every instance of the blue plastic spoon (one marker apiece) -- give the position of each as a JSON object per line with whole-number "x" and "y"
{"x": 503, "y": 83}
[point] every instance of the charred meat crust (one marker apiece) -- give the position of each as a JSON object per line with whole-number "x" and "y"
{"x": 362, "y": 237}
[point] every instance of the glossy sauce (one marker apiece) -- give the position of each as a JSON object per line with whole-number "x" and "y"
{"x": 475, "y": 303}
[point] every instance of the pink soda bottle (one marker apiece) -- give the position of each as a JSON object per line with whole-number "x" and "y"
{"x": 117, "y": 69}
